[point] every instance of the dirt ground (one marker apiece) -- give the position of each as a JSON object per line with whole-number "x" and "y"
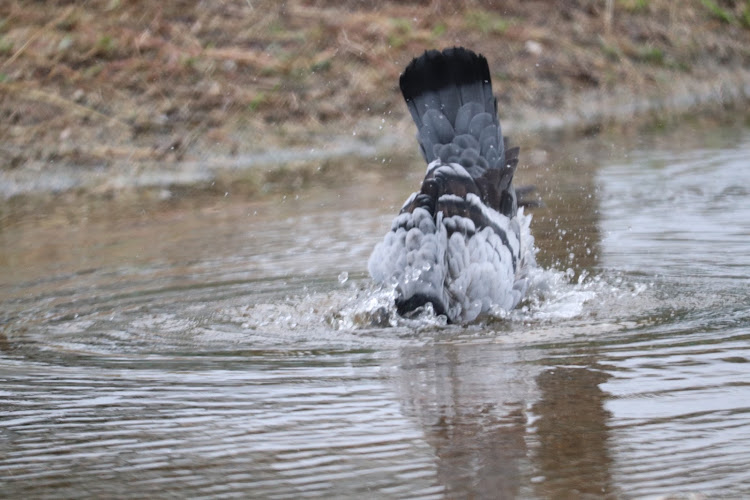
{"x": 108, "y": 86}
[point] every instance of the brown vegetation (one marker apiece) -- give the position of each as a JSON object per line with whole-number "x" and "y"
{"x": 101, "y": 82}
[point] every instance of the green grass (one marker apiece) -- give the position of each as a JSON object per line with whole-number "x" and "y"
{"x": 256, "y": 101}
{"x": 6, "y": 47}
{"x": 486, "y": 22}
{"x": 717, "y": 12}
{"x": 321, "y": 66}
{"x": 93, "y": 71}
{"x": 188, "y": 61}
{"x": 106, "y": 46}
{"x": 745, "y": 16}
{"x": 400, "y": 33}
{"x": 633, "y": 5}
{"x": 652, "y": 55}
{"x": 613, "y": 53}
{"x": 727, "y": 16}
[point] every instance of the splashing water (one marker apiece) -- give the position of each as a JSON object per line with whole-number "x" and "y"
{"x": 241, "y": 351}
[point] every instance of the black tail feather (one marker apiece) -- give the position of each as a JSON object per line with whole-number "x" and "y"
{"x": 432, "y": 79}
{"x": 440, "y": 83}
{"x": 449, "y": 95}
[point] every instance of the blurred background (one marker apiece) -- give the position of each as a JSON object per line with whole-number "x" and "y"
{"x": 115, "y": 96}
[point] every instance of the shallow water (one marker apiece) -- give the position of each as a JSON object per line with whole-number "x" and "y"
{"x": 228, "y": 351}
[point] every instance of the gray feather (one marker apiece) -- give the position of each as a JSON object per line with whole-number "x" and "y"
{"x": 479, "y": 123}
{"x": 450, "y": 102}
{"x": 456, "y": 242}
{"x": 427, "y": 138}
{"x": 466, "y": 141}
{"x": 447, "y": 152}
{"x": 439, "y": 124}
{"x": 472, "y": 92}
{"x": 465, "y": 114}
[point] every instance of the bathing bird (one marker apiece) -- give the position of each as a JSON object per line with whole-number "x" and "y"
{"x": 460, "y": 243}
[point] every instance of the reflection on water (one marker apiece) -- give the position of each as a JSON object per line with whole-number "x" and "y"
{"x": 220, "y": 351}
{"x": 571, "y": 432}
{"x": 470, "y": 400}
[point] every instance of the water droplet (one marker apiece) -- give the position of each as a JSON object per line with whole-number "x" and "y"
{"x": 412, "y": 274}
{"x": 343, "y": 277}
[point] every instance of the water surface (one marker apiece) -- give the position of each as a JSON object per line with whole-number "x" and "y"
{"x": 227, "y": 350}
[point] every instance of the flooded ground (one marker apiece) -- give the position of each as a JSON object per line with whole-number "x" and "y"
{"x": 227, "y": 350}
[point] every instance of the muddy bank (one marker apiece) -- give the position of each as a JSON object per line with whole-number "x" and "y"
{"x": 109, "y": 98}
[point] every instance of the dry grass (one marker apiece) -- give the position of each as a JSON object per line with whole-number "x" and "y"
{"x": 102, "y": 81}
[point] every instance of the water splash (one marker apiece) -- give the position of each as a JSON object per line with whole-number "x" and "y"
{"x": 552, "y": 295}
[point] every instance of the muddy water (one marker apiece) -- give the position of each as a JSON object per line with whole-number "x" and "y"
{"x": 228, "y": 350}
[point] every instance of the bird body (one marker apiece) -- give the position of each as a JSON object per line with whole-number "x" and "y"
{"x": 460, "y": 243}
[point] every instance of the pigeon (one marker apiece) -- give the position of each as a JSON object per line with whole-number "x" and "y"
{"x": 460, "y": 245}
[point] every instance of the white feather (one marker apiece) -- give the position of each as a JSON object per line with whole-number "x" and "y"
{"x": 472, "y": 274}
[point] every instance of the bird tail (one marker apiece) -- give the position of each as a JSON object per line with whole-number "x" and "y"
{"x": 449, "y": 95}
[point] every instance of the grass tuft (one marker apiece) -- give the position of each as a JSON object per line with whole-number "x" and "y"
{"x": 400, "y": 33}
{"x": 612, "y": 52}
{"x": 634, "y": 6}
{"x": 256, "y": 102}
{"x": 717, "y": 12}
{"x": 486, "y": 22}
{"x": 745, "y": 16}
{"x": 652, "y": 55}
{"x": 105, "y": 46}
{"x": 6, "y": 47}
